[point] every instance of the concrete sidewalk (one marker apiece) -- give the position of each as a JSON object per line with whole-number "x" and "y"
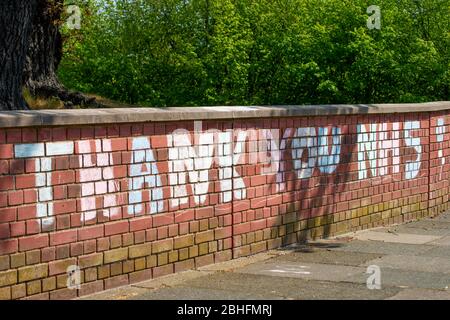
{"x": 414, "y": 260}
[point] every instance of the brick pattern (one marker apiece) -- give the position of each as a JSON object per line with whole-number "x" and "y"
{"x": 439, "y": 162}
{"x": 129, "y": 202}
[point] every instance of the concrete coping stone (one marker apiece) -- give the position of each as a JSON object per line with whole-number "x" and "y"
{"x": 36, "y": 118}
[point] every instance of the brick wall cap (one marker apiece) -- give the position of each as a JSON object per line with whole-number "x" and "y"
{"x": 35, "y": 118}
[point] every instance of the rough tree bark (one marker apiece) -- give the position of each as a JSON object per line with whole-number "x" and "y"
{"x": 15, "y": 26}
{"x": 45, "y": 48}
{"x": 44, "y": 55}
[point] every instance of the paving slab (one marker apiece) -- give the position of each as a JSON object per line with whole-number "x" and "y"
{"x": 444, "y": 241}
{"x": 309, "y": 271}
{"x": 288, "y": 288}
{"x": 436, "y": 223}
{"x": 442, "y": 251}
{"x": 408, "y": 279}
{"x": 326, "y": 256}
{"x": 421, "y": 294}
{"x": 122, "y": 293}
{"x": 429, "y": 231}
{"x": 172, "y": 279}
{"x": 244, "y": 261}
{"x": 413, "y": 263}
{"x": 442, "y": 217}
{"x": 395, "y": 237}
{"x": 189, "y": 293}
{"x": 383, "y": 247}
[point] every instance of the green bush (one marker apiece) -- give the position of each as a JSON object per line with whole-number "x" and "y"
{"x": 243, "y": 52}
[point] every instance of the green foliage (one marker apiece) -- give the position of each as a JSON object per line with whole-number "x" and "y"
{"x": 242, "y": 52}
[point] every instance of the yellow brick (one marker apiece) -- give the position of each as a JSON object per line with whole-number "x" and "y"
{"x": 18, "y": 291}
{"x": 415, "y": 207}
{"x": 5, "y": 293}
{"x": 4, "y": 263}
{"x": 116, "y": 268}
{"x": 91, "y": 260}
{"x": 34, "y": 287}
{"x": 212, "y": 246}
{"x": 49, "y": 284}
{"x": 259, "y": 235}
{"x": 204, "y": 236}
{"x": 128, "y": 266}
{"x": 90, "y": 274}
{"x": 363, "y": 220}
{"x": 203, "y": 248}
{"x": 342, "y": 227}
{"x": 103, "y": 272}
{"x": 193, "y": 251}
{"x": 61, "y": 281}
{"x": 162, "y": 245}
{"x": 33, "y": 272}
{"x": 61, "y": 266}
{"x": 116, "y": 241}
{"x": 184, "y": 241}
{"x": 17, "y": 260}
{"x": 139, "y": 264}
{"x": 396, "y": 212}
{"x": 213, "y": 223}
{"x": 282, "y": 230}
{"x": 251, "y": 236}
{"x": 258, "y": 247}
{"x": 163, "y": 259}
{"x": 386, "y": 214}
{"x": 33, "y": 257}
{"x": 8, "y": 278}
{"x": 183, "y": 254}
{"x": 204, "y": 224}
{"x": 151, "y": 261}
{"x": 173, "y": 256}
{"x": 140, "y": 250}
{"x": 116, "y": 255}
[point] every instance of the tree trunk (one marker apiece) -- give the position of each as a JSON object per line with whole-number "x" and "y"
{"x": 44, "y": 50}
{"x": 44, "y": 55}
{"x": 15, "y": 26}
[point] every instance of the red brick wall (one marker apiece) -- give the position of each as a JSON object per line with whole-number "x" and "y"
{"x": 129, "y": 202}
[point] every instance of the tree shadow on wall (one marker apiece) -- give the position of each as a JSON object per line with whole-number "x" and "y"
{"x": 315, "y": 199}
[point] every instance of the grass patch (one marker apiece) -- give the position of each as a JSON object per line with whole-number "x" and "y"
{"x": 40, "y": 103}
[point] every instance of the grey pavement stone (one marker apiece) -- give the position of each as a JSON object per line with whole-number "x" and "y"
{"x": 309, "y": 271}
{"x": 407, "y": 279}
{"x": 444, "y": 241}
{"x": 414, "y": 259}
{"x": 429, "y": 231}
{"x": 238, "y": 263}
{"x": 171, "y": 280}
{"x": 383, "y": 247}
{"x": 421, "y": 294}
{"x": 188, "y": 293}
{"x": 413, "y": 263}
{"x": 442, "y": 251}
{"x": 288, "y": 288}
{"x": 395, "y": 237}
{"x": 441, "y": 222}
{"x": 445, "y": 217}
{"x": 329, "y": 257}
{"x": 122, "y": 293}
